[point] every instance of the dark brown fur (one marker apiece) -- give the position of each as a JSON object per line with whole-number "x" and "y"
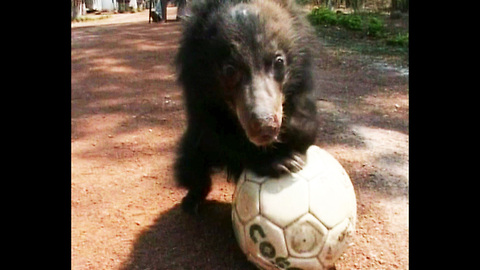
{"x": 246, "y": 71}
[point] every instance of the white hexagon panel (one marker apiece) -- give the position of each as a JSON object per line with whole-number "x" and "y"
{"x": 284, "y": 200}
{"x": 251, "y": 176}
{"x": 332, "y": 197}
{"x": 337, "y": 241}
{"x": 305, "y": 264}
{"x": 314, "y": 163}
{"x": 247, "y": 201}
{"x": 239, "y": 230}
{"x": 330, "y": 202}
{"x": 305, "y": 237}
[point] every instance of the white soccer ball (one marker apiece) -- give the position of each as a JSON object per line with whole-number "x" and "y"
{"x": 303, "y": 220}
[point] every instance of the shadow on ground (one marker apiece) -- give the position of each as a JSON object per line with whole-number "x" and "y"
{"x": 124, "y": 69}
{"x": 180, "y": 241}
{"x": 363, "y": 114}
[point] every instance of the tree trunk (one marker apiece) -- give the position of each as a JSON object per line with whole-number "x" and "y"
{"x": 357, "y": 5}
{"x": 78, "y": 8}
{"x": 329, "y": 5}
{"x": 394, "y": 5}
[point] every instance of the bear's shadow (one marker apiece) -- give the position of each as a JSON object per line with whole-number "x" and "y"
{"x": 180, "y": 241}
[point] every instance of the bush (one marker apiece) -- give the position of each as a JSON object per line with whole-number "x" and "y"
{"x": 322, "y": 16}
{"x": 352, "y": 22}
{"x": 398, "y": 40}
{"x": 375, "y": 27}
{"x": 369, "y": 23}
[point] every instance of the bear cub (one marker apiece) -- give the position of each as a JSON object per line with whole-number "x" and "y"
{"x": 246, "y": 72}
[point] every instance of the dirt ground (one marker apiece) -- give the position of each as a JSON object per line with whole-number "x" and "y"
{"x": 127, "y": 116}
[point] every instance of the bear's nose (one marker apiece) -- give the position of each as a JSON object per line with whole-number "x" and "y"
{"x": 266, "y": 127}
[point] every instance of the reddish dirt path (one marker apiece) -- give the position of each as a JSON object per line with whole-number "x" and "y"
{"x": 127, "y": 116}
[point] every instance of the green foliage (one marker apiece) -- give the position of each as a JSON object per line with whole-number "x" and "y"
{"x": 375, "y": 27}
{"x": 367, "y": 23}
{"x": 322, "y": 16}
{"x": 304, "y": 2}
{"x": 352, "y": 22}
{"x": 401, "y": 39}
{"x": 362, "y": 32}
{"x": 365, "y": 33}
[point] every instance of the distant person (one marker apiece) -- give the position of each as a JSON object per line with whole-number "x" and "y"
{"x": 183, "y": 8}
{"x": 160, "y": 12}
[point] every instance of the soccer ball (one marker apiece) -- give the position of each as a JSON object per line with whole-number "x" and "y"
{"x": 302, "y": 220}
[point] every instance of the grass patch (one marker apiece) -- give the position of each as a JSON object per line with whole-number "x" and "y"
{"x": 375, "y": 27}
{"x": 401, "y": 39}
{"x": 320, "y": 16}
{"x": 90, "y": 18}
{"x": 367, "y": 24}
{"x": 371, "y": 34}
{"x": 370, "y": 24}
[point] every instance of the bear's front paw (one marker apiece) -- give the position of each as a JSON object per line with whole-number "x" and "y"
{"x": 290, "y": 164}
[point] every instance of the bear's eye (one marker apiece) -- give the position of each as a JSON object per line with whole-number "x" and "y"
{"x": 229, "y": 71}
{"x": 231, "y": 75}
{"x": 279, "y": 62}
{"x": 279, "y": 67}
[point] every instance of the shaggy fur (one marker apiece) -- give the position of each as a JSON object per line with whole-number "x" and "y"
{"x": 246, "y": 72}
